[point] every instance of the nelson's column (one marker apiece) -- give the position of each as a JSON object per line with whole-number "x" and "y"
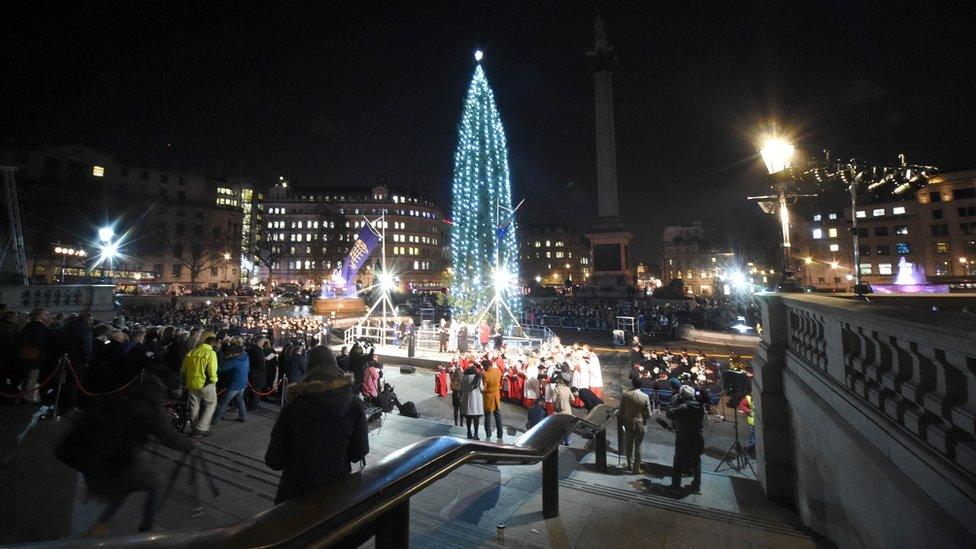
{"x": 608, "y": 237}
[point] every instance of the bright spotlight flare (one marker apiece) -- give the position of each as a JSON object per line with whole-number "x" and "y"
{"x": 478, "y": 54}
{"x": 738, "y": 280}
{"x": 105, "y": 234}
{"x": 387, "y": 282}
{"x": 502, "y": 277}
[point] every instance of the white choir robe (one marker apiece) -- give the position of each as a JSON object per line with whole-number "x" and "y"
{"x": 581, "y": 376}
{"x": 596, "y": 375}
{"x": 452, "y": 333}
{"x": 531, "y": 382}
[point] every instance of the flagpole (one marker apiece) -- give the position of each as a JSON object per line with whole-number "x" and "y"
{"x": 383, "y": 290}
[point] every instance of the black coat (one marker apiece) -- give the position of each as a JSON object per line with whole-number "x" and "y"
{"x": 357, "y": 365}
{"x": 319, "y": 433}
{"x": 689, "y": 424}
{"x": 589, "y": 398}
{"x": 258, "y": 371}
{"x": 110, "y": 435}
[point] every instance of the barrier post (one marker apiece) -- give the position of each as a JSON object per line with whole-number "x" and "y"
{"x": 393, "y": 529}
{"x": 601, "y": 450}
{"x": 550, "y": 485}
{"x": 62, "y": 374}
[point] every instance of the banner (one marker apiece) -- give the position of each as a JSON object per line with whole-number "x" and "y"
{"x": 366, "y": 240}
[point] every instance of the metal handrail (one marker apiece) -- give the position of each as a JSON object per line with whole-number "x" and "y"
{"x": 332, "y": 513}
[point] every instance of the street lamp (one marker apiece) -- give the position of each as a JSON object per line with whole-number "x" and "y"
{"x": 226, "y": 260}
{"x": 65, "y": 252}
{"x": 105, "y": 234}
{"x": 777, "y": 154}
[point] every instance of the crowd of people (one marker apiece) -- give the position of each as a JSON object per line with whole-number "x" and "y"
{"x": 236, "y": 317}
{"x": 555, "y": 377}
{"x": 649, "y": 317}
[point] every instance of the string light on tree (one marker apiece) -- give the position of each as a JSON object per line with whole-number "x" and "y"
{"x": 483, "y": 234}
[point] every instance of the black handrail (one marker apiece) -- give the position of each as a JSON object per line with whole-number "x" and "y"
{"x": 332, "y": 513}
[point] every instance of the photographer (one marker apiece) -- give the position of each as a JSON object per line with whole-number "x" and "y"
{"x": 106, "y": 445}
{"x": 689, "y": 441}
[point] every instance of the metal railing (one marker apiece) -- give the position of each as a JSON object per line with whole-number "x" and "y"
{"x": 428, "y": 339}
{"x": 377, "y": 498}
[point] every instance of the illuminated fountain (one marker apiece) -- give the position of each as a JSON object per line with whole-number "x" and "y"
{"x": 910, "y": 280}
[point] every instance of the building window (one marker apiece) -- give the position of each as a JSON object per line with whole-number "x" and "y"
{"x": 937, "y": 214}
{"x": 98, "y": 171}
{"x": 881, "y": 231}
{"x": 832, "y": 216}
{"x": 861, "y": 213}
{"x": 832, "y": 232}
{"x": 935, "y": 196}
{"x": 961, "y": 194}
{"x": 878, "y": 212}
{"x": 943, "y": 268}
{"x": 901, "y": 229}
{"x": 835, "y": 247}
{"x": 817, "y": 217}
{"x": 898, "y": 210}
{"x": 884, "y": 268}
{"x": 818, "y": 233}
{"x": 177, "y": 269}
{"x": 865, "y": 268}
{"x": 902, "y": 248}
{"x": 967, "y": 211}
{"x": 884, "y": 249}
{"x": 940, "y": 230}
{"x": 941, "y": 248}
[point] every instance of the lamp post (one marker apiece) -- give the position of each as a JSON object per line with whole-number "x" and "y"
{"x": 65, "y": 252}
{"x": 226, "y": 261}
{"x": 777, "y": 154}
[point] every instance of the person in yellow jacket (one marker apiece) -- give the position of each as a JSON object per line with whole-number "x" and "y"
{"x": 491, "y": 392}
{"x": 200, "y": 377}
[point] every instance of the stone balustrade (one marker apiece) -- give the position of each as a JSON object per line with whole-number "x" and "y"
{"x": 99, "y": 299}
{"x": 873, "y": 405}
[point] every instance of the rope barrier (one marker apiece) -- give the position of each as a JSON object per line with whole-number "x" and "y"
{"x": 25, "y": 390}
{"x": 81, "y": 388}
{"x": 259, "y": 393}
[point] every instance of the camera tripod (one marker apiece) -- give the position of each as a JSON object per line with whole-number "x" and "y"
{"x": 194, "y": 458}
{"x": 741, "y": 460}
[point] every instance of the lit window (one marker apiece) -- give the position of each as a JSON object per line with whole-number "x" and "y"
{"x": 861, "y": 213}
{"x": 817, "y": 217}
{"x": 98, "y": 171}
{"x": 902, "y": 248}
{"x": 941, "y": 248}
{"x": 817, "y": 233}
{"x": 901, "y": 229}
{"x": 713, "y": 260}
{"x": 832, "y": 232}
{"x": 832, "y": 216}
{"x": 884, "y": 268}
{"x": 865, "y": 268}
{"x": 835, "y": 247}
{"x": 898, "y": 210}
{"x": 878, "y": 212}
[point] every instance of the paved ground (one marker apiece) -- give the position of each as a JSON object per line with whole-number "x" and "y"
{"x": 45, "y": 500}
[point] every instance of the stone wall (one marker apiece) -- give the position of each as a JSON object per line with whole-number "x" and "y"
{"x": 864, "y": 420}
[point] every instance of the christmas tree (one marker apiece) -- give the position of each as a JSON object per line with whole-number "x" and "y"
{"x": 484, "y": 251}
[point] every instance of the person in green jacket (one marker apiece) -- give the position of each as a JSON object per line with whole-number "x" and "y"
{"x": 200, "y": 377}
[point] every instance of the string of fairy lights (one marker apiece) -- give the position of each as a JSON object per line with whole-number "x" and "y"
{"x": 481, "y": 191}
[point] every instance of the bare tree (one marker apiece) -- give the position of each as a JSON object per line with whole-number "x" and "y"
{"x": 270, "y": 255}
{"x": 198, "y": 256}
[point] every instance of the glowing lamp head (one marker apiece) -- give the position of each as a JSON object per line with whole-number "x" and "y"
{"x": 776, "y": 154}
{"x": 834, "y": 264}
{"x": 478, "y": 54}
{"x": 105, "y": 234}
{"x": 808, "y": 260}
{"x": 386, "y": 281}
{"x": 226, "y": 257}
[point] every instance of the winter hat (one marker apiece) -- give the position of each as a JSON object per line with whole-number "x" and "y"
{"x": 675, "y": 384}
{"x": 687, "y": 391}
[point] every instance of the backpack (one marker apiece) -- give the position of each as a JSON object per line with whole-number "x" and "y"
{"x": 385, "y": 401}
{"x": 409, "y": 409}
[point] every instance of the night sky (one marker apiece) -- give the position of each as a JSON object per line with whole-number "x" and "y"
{"x": 345, "y": 95}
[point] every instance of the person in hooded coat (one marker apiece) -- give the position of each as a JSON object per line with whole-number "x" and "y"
{"x": 320, "y": 431}
{"x": 357, "y": 363}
